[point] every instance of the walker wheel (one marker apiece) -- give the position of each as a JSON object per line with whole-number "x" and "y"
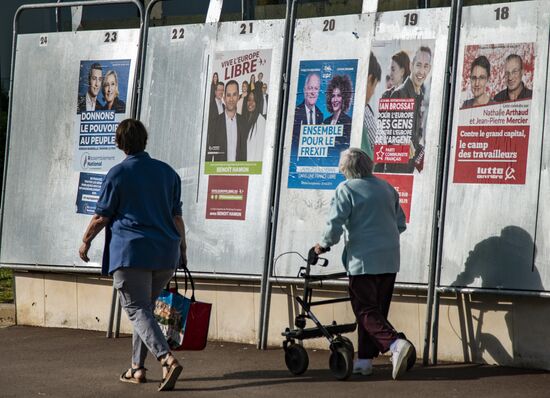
{"x": 341, "y": 362}
{"x": 343, "y": 341}
{"x": 296, "y": 359}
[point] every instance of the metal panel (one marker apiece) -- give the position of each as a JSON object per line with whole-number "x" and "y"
{"x": 40, "y": 223}
{"x": 407, "y": 31}
{"x": 490, "y": 227}
{"x": 302, "y": 211}
{"x": 175, "y": 108}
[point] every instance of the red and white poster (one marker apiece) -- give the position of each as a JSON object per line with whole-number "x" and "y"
{"x": 403, "y": 184}
{"x": 398, "y": 99}
{"x": 492, "y": 137}
{"x": 227, "y": 197}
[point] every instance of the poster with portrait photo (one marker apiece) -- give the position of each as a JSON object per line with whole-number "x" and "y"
{"x": 396, "y": 112}
{"x": 322, "y": 122}
{"x": 102, "y": 103}
{"x": 494, "y": 114}
{"x": 238, "y": 103}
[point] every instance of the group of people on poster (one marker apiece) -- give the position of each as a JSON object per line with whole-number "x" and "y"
{"x": 394, "y": 132}
{"x": 236, "y": 119}
{"x": 322, "y": 122}
{"x": 485, "y": 76}
{"x": 102, "y": 91}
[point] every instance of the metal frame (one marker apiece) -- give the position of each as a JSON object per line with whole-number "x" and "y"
{"x": 437, "y": 290}
{"x": 55, "y": 6}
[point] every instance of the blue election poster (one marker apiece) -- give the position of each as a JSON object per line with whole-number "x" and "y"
{"x": 102, "y": 103}
{"x": 322, "y": 122}
{"x": 89, "y": 185}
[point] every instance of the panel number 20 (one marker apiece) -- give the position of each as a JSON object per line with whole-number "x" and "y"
{"x": 329, "y": 25}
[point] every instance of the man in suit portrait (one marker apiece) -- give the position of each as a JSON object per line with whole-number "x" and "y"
{"x": 89, "y": 102}
{"x": 308, "y": 112}
{"x": 226, "y": 140}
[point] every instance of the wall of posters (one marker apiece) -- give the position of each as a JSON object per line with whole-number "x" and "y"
{"x": 237, "y": 112}
{"x": 322, "y": 122}
{"x": 102, "y": 102}
{"x": 494, "y": 115}
{"x": 397, "y": 110}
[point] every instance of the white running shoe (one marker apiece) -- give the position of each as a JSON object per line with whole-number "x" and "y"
{"x": 401, "y": 353}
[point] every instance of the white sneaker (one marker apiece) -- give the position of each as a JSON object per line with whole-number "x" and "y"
{"x": 401, "y": 353}
{"x": 358, "y": 369}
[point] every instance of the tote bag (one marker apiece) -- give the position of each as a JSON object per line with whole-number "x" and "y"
{"x": 198, "y": 320}
{"x": 171, "y": 312}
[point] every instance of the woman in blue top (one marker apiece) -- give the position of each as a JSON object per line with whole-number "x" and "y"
{"x": 369, "y": 209}
{"x": 140, "y": 205}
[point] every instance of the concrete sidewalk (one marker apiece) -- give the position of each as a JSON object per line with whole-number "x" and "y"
{"x": 76, "y": 363}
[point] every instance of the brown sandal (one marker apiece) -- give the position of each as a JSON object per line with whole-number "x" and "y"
{"x": 133, "y": 379}
{"x": 173, "y": 371}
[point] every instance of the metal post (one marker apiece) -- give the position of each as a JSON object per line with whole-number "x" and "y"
{"x": 282, "y": 106}
{"x": 111, "y": 315}
{"x": 118, "y": 314}
{"x": 433, "y": 295}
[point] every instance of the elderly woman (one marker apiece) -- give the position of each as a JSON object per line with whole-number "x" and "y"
{"x": 110, "y": 93}
{"x": 369, "y": 209}
{"x": 140, "y": 205}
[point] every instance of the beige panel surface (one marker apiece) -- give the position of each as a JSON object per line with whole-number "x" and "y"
{"x": 29, "y": 290}
{"x": 60, "y": 305}
{"x": 94, "y": 303}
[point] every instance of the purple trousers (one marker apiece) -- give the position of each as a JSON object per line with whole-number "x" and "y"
{"x": 370, "y": 299}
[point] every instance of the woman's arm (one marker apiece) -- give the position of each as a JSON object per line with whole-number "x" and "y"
{"x": 180, "y": 226}
{"x": 97, "y": 223}
{"x": 340, "y": 210}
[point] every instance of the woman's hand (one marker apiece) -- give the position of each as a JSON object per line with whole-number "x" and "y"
{"x": 319, "y": 249}
{"x": 83, "y": 251}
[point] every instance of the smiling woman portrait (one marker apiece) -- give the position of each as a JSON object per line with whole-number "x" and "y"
{"x": 110, "y": 93}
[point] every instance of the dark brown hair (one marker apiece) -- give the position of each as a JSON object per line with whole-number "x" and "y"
{"x": 131, "y": 136}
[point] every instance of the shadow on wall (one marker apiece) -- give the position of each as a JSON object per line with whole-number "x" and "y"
{"x": 498, "y": 262}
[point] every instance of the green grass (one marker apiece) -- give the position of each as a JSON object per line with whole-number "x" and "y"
{"x": 6, "y": 287}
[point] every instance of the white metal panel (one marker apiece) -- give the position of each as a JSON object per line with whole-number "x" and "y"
{"x": 403, "y": 31}
{"x": 302, "y": 212}
{"x": 175, "y": 108}
{"x": 490, "y": 227}
{"x": 40, "y": 225}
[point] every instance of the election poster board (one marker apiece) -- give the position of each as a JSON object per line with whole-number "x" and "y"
{"x": 491, "y": 213}
{"x": 226, "y": 199}
{"x": 101, "y": 104}
{"x": 403, "y": 121}
{"x": 238, "y": 103}
{"x": 322, "y": 122}
{"x": 44, "y": 181}
{"x": 396, "y": 140}
{"x": 325, "y": 50}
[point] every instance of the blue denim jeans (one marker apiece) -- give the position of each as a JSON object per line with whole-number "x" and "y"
{"x": 138, "y": 291}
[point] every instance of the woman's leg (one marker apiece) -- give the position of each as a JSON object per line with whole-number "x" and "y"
{"x": 158, "y": 281}
{"x": 135, "y": 287}
{"x": 365, "y": 293}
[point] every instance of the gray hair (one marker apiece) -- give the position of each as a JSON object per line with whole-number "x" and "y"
{"x": 354, "y": 163}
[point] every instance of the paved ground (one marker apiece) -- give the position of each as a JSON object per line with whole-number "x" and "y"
{"x": 36, "y": 362}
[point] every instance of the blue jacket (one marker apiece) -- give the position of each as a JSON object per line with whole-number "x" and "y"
{"x": 141, "y": 196}
{"x": 369, "y": 210}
